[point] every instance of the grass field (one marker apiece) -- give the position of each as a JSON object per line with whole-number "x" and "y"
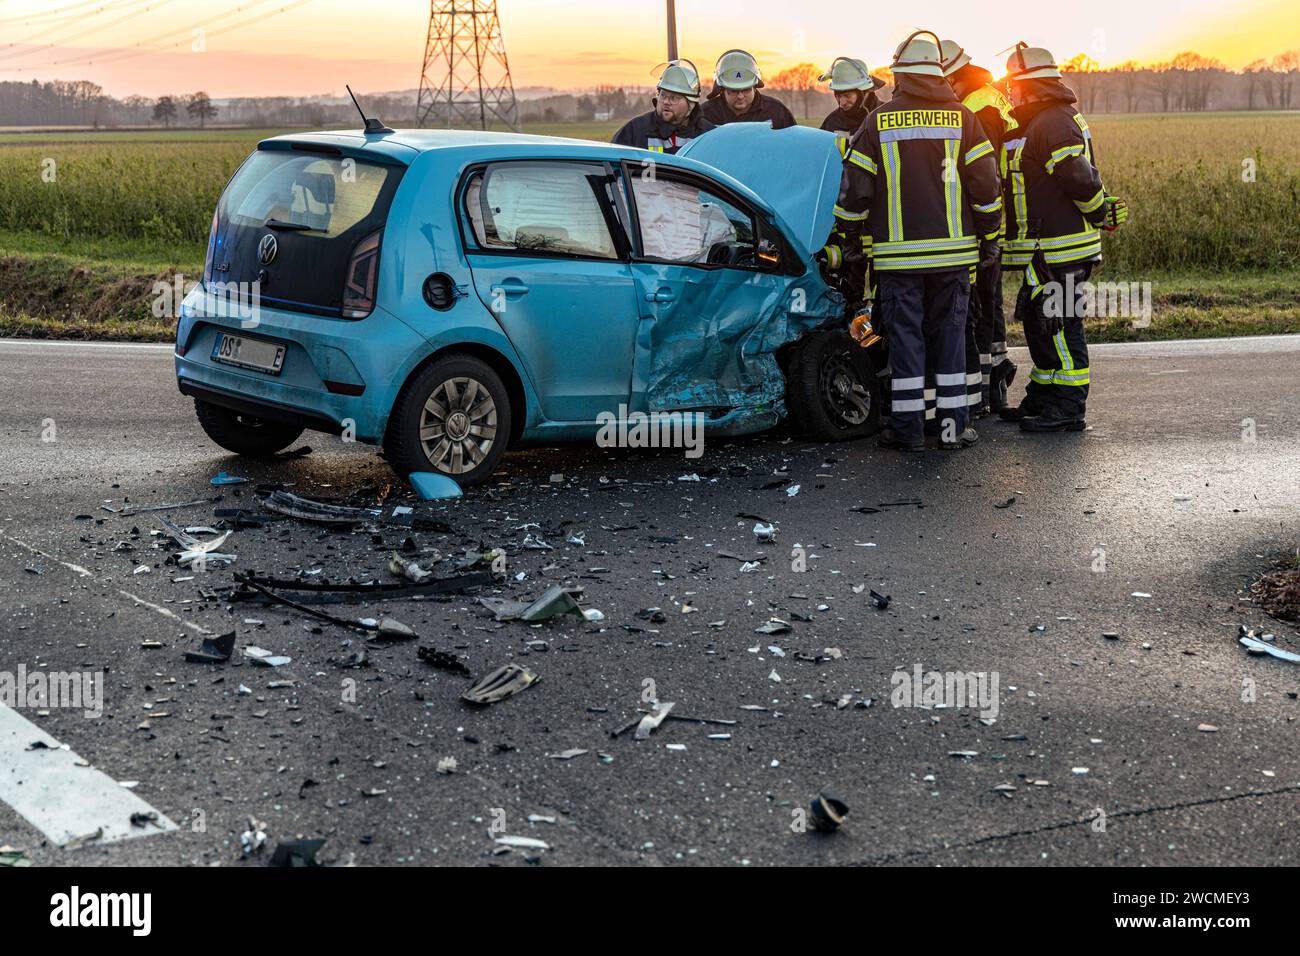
{"x": 1221, "y": 248}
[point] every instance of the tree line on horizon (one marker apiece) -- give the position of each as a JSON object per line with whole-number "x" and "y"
{"x": 1187, "y": 82}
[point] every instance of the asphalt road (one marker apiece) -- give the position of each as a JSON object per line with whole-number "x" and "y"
{"x": 1184, "y": 509}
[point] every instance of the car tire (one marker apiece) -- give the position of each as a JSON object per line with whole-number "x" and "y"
{"x": 832, "y": 391}
{"x": 442, "y": 418}
{"x": 244, "y": 434}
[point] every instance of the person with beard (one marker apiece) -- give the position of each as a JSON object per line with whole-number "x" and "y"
{"x": 735, "y": 97}
{"x": 988, "y": 368}
{"x": 855, "y": 95}
{"x": 675, "y": 119}
{"x": 1056, "y": 208}
{"x": 924, "y": 178}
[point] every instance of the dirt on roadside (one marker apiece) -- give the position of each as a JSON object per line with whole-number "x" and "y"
{"x": 45, "y": 297}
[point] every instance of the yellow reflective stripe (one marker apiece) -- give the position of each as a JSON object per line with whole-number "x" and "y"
{"x": 893, "y": 189}
{"x": 927, "y": 245}
{"x": 1063, "y": 351}
{"x": 1080, "y": 376}
{"x": 952, "y": 184}
{"x": 938, "y": 260}
{"x": 979, "y": 152}
{"x": 1093, "y": 204}
{"x": 842, "y": 213}
{"x": 833, "y": 257}
{"x": 843, "y": 143}
{"x": 990, "y": 207}
{"x": 1018, "y": 199}
{"x": 863, "y": 160}
{"x": 1061, "y": 154}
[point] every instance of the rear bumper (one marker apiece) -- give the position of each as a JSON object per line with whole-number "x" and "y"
{"x": 268, "y": 411}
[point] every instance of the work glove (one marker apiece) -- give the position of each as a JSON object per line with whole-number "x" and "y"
{"x": 830, "y": 258}
{"x": 1116, "y": 213}
{"x": 1041, "y": 276}
{"x": 990, "y": 253}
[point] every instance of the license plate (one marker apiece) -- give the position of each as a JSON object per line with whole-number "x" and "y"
{"x": 257, "y": 354}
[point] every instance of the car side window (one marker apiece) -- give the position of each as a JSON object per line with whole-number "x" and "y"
{"x": 682, "y": 223}
{"x": 541, "y": 209}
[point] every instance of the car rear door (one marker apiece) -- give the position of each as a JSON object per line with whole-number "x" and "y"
{"x": 550, "y": 261}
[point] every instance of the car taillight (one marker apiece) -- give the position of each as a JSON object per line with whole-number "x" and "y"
{"x": 212, "y": 249}
{"x": 362, "y": 278}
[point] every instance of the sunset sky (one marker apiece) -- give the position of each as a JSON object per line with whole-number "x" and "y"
{"x": 315, "y": 46}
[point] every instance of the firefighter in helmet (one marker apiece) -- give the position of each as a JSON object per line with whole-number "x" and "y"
{"x": 675, "y": 119}
{"x": 735, "y": 97}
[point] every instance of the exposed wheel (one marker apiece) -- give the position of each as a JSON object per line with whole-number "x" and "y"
{"x": 244, "y": 434}
{"x": 832, "y": 392}
{"x": 453, "y": 418}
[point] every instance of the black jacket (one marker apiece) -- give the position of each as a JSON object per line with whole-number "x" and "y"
{"x": 974, "y": 87}
{"x": 650, "y": 131}
{"x": 923, "y": 178}
{"x": 764, "y": 109}
{"x": 848, "y": 121}
{"x": 1054, "y": 193}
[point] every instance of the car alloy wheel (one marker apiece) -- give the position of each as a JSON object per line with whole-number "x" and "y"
{"x": 846, "y": 397}
{"x": 458, "y": 425}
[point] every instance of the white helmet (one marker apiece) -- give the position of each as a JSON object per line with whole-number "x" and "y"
{"x": 850, "y": 74}
{"x": 918, "y": 55}
{"x": 681, "y": 76}
{"x": 1031, "y": 63}
{"x": 737, "y": 70}
{"x": 953, "y": 57}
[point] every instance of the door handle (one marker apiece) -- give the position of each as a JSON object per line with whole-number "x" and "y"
{"x": 510, "y": 287}
{"x": 662, "y": 295}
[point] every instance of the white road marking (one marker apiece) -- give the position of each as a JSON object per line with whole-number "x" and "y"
{"x": 59, "y": 793}
{"x": 82, "y": 572}
{"x": 49, "y": 344}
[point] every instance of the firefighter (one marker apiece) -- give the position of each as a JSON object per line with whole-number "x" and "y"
{"x": 1056, "y": 208}
{"x": 675, "y": 119}
{"x": 989, "y": 369}
{"x": 925, "y": 177}
{"x": 855, "y": 95}
{"x": 735, "y": 97}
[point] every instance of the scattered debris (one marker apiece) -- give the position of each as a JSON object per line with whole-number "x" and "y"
{"x": 522, "y": 843}
{"x": 1207, "y": 728}
{"x": 1006, "y": 504}
{"x": 1258, "y": 648}
{"x": 774, "y": 626}
{"x": 827, "y": 811}
{"x": 400, "y": 567}
{"x": 651, "y": 721}
{"x": 264, "y": 658}
{"x": 213, "y": 650}
{"x": 224, "y": 478}
{"x": 434, "y": 487}
{"x": 296, "y": 853}
{"x": 881, "y": 600}
{"x": 503, "y": 682}
{"x": 442, "y": 660}
{"x": 554, "y": 602}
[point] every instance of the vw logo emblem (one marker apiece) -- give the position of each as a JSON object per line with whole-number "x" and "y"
{"x": 267, "y": 248}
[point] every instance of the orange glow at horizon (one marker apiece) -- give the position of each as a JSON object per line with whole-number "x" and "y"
{"x": 315, "y": 46}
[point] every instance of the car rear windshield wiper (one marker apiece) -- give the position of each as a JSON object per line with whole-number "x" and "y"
{"x": 295, "y": 226}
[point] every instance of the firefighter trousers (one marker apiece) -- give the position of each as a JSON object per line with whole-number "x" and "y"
{"x": 924, "y": 316}
{"x": 1059, "y": 381}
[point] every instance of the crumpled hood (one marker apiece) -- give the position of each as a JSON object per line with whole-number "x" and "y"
{"x": 796, "y": 171}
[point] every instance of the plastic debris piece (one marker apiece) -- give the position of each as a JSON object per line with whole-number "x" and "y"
{"x": 774, "y": 626}
{"x": 554, "y": 602}
{"x": 214, "y": 650}
{"x": 568, "y": 754}
{"x": 264, "y": 658}
{"x": 224, "y": 478}
{"x": 765, "y": 532}
{"x": 392, "y": 629}
{"x": 503, "y": 682}
{"x": 651, "y": 721}
{"x": 296, "y": 853}
{"x": 593, "y": 615}
{"x": 793, "y": 490}
{"x": 827, "y": 811}
{"x": 522, "y": 843}
{"x": 882, "y": 600}
{"x": 1258, "y": 647}
{"x": 399, "y": 567}
{"x": 434, "y": 487}
{"x": 442, "y": 660}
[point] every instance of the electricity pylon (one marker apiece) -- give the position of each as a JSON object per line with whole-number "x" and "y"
{"x": 465, "y": 79}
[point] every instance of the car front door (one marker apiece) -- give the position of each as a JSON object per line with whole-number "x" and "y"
{"x": 550, "y": 260}
{"x": 708, "y": 280}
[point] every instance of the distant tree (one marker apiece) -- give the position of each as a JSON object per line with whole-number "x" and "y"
{"x": 1164, "y": 80}
{"x": 800, "y": 82}
{"x": 1128, "y": 76}
{"x": 165, "y": 110}
{"x": 1085, "y": 76}
{"x": 1285, "y": 67}
{"x": 137, "y": 109}
{"x": 1257, "y": 79}
{"x": 200, "y": 107}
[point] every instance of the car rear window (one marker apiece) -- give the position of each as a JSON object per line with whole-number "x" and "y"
{"x": 541, "y": 209}
{"x": 317, "y": 205}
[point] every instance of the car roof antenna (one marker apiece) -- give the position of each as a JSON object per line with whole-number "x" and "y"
{"x": 373, "y": 123}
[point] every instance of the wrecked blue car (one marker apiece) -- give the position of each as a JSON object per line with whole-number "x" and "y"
{"x": 449, "y": 295}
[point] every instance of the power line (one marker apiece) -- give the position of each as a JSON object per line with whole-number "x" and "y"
{"x": 150, "y": 5}
{"x": 47, "y": 15}
{"x": 140, "y": 48}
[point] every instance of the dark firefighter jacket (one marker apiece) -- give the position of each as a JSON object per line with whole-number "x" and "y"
{"x": 974, "y": 87}
{"x": 848, "y": 121}
{"x": 764, "y": 109}
{"x": 1053, "y": 191}
{"x": 650, "y": 131}
{"x": 922, "y": 176}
